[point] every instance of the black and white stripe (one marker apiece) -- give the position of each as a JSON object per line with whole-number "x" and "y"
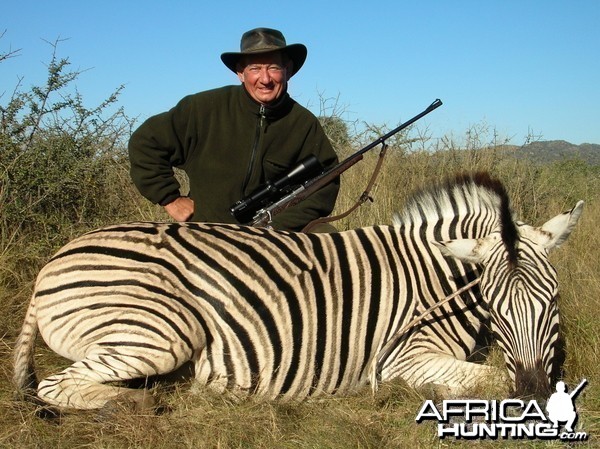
{"x": 290, "y": 314}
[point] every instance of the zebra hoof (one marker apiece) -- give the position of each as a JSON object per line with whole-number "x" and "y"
{"x": 435, "y": 392}
{"x": 42, "y": 409}
{"x": 142, "y": 400}
{"x": 128, "y": 403}
{"x": 48, "y": 413}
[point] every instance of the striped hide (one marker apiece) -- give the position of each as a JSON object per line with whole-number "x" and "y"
{"x": 292, "y": 315}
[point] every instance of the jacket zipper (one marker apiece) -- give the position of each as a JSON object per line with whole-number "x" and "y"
{"x": 259, "y": 126}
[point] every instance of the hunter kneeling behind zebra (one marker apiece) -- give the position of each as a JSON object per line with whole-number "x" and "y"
{"x": 293, "y": 315}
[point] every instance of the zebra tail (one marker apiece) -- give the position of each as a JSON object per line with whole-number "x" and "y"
{"x": 24, "y": 377}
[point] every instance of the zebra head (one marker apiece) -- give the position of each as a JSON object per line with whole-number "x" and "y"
{"x": 519, "y": 288}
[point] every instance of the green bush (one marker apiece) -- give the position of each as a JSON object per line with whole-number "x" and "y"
{"x": 57, "y": 163}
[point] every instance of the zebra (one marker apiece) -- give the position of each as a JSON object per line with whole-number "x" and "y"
{"x": 295, "y": 315}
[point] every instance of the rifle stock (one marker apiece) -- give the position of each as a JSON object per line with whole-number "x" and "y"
{"x": 264, "y": 216}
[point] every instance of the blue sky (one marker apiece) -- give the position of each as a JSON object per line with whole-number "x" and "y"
{"x": 517, "y": 66}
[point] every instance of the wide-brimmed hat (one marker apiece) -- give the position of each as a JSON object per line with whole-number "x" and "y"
{"x": 265, "y": 40}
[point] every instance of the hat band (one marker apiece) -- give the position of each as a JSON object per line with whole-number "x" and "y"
{"x": 262, "y": 49}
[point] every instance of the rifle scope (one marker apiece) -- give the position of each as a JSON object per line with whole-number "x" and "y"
{"x": 272, "y": 190}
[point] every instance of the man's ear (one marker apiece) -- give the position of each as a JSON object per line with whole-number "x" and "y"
{"x": 239, "y": 68}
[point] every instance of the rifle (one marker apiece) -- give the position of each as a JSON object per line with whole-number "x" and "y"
{"x": 258, "y": 208}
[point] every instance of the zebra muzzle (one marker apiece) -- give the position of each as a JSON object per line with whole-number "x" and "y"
{"x": 531, "y": 382}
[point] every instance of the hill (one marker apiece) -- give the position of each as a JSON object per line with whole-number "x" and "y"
{"x": 558, "y": 150}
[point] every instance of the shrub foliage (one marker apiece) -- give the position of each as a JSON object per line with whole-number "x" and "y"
{"x": 58, "y": 162}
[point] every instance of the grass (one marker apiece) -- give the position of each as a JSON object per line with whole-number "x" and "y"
{"x": 364, "y": 420}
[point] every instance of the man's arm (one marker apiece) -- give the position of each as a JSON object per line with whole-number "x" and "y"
{"x": 154, "y": 149}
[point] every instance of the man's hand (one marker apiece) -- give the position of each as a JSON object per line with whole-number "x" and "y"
{"x": 181, "y": 209}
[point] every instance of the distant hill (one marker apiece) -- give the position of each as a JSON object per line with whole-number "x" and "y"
{"x": 559, "y": 150}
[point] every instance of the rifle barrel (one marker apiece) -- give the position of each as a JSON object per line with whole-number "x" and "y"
{"x": 308, "y": 188}
{"x": 436, "y": 104}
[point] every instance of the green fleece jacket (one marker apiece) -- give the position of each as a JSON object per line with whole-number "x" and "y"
{"x": 229, "y": 145}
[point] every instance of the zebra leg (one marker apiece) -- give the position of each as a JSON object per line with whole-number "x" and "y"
{"x": 82, "y": 385}
{"x": 208, "y": 375}
{"x": 456, "y": 377}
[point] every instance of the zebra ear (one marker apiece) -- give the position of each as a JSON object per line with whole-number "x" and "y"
{"x": 465, "y": 250}
{"x": 555, "y": 231}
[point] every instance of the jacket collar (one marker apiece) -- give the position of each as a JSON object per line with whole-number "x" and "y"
{"x": 272, "y": 111}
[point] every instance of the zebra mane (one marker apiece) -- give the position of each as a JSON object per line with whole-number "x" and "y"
{"x": 464, "y": 195}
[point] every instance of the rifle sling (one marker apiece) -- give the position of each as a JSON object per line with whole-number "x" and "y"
{"x": 362, "y": 199}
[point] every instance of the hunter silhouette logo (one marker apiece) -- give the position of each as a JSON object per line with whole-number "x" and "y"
{"x": 561, "y": 407}
{"x": 508, "y": 419}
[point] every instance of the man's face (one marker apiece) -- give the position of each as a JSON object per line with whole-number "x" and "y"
{"x": 264, "y": 76}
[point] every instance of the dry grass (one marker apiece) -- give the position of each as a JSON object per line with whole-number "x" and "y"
{"x": 385, "y": 420}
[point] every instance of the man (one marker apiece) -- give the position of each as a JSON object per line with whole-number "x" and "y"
{"x": 232, "y": 139}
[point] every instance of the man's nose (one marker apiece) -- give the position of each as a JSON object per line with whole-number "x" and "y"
{"x": 264, "y": 76}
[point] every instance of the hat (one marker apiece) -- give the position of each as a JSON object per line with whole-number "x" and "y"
{"x": 265, "y": 40}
